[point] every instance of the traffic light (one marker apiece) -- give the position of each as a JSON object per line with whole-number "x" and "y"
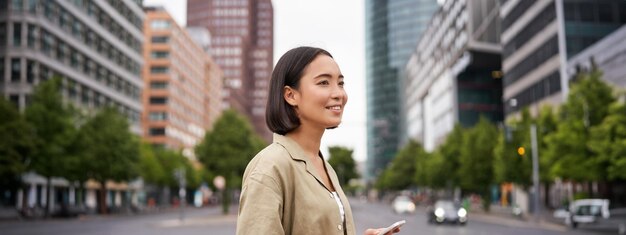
{"x": 521, "y": 151}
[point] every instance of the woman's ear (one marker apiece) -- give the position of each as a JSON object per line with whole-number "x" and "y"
{"x": 290, "y": 95}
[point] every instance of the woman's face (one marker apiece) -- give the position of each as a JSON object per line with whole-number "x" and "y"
{"x": 320, "y": 97}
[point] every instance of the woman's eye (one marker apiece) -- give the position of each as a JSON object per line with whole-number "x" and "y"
{"x": 341, "y": 84}
{"x": 323, "y": 83}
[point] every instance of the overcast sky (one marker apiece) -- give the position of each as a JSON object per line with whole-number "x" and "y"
{"x": 337, "y": 26}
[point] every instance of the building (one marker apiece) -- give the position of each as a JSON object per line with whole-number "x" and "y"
{"x": 538, "y": 37}
{"x": 392, "y": 30}
{"x": 608, "y": 54}
{"x": 94, "y": 46}
{"x": 242, "y": 42}
{"x": 453, "y": 75}
{"x": 182, "y": 94}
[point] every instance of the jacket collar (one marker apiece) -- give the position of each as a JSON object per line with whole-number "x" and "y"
{"x": 296, "y": 153}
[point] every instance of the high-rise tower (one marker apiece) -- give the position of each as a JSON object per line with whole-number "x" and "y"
{"x": 242, "y": 45}
{"x": 392, "y": 30}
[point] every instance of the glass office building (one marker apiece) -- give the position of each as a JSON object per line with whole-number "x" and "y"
{"x": 538, "y": 37}
{"x": 392, "y": 30}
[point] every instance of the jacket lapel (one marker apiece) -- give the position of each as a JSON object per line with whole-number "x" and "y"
{"x": 297, "y": 154}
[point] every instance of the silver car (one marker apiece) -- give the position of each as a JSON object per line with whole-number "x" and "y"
{"x": 445, "y": 211}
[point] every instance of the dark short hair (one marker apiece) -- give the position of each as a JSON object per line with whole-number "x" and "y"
{"x": 280, "y": 116}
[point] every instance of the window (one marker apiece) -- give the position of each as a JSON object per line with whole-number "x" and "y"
{"x": 84, "y": 91}
{"x": 158, "y": 116}
{"x": 588, "y": 13}
{"x": 160, "y": 54}
{"x": 605, "y": 13}
{"x": 157, "y": 131}
{"x": 30, "y": 74}
{"x": 1, "y": 67}
{"x": 16, "y": 67}
{"x": 16, "y": 5}
{"x": 17, "y": 34}
{"x": 159, "y": 69}
{"x": 160, "y": 24}
{"x": 47, "y": 44}
{"x": 77, "y": 30}
{"x": 3, "y": 29}
{"x": 32, "y": 6}
{"x": 31, "y": 36}
{"x": 61, "y": 48}
{"x": 74, "y": 58}
{"x": 160, "y": 39}
{"x": 158, "y": 85}
{"x": 158, "y": 100}
{"x": 15, "y": 99}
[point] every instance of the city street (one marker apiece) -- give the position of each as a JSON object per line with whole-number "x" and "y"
{"x": 209, "y": 221}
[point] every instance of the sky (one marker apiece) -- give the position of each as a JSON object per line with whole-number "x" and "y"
{"x": 338, "y": 27}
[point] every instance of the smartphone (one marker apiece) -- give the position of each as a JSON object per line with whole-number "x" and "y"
{"x": 392, "y": 227}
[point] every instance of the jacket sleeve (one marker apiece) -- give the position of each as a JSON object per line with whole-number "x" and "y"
{"x": 260, "y": 206}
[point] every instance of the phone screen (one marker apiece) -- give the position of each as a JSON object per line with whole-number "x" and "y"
{"x": 392, "y": 227}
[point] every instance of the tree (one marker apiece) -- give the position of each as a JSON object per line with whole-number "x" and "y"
{"x": 587, "y": 105}
{"x": 149, "y": 167}
{"x": 227, "y": 149}
{"x": 110, "y": 150}
{"x": 608, "y": 142}
{"x": 547, "y": 123}
{"x": 341, "y": 160}
{"x": 401, "y": 171}
{"x": 16, "y": 144}
{"x": 447, "y": 160}
{"x": 509, "y": 165}
{"x": 476, "y": 168}
{"x": 53, "y": 125}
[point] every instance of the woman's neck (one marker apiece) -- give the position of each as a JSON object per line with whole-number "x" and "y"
{"x": 309, "y": 139}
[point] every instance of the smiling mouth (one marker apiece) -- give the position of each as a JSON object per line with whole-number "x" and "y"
{"x": 336, "y": 107}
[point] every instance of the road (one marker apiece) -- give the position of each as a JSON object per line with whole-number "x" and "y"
{"x": 209, "y": 221}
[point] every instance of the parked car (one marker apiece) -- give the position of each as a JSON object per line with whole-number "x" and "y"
{"x": 587, "y": 211}
{"x": 403, "y": 204}
{"x": 445, "y": 211}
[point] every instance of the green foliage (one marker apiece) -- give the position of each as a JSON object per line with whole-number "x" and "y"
{"x": 509, "y": 166}
{"x": 342, "y": 162}
{"x": 150, "y": 168}
{"x": 54, "y": 128}
{"x": 16, "y": 143}
{"x": 108, "y": 148}
{"x": 401, "y": 171}
{"x": 169, "y": 161}
{"x": 227, "y": 149}
{"x": 587, "y": 105}
{"x": 477, "y": 158}
{"x": 546, "y": 124}
{"x": 608, "y": 142}
{"x": 446, "y": 161}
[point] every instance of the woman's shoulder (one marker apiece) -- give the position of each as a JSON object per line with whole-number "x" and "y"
{"x": 270, "y": 159}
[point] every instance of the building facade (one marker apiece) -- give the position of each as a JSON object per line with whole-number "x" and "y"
{"x": 242, "y": 44}
{"x": 538, "y": 37}
{"x": 392, "y": 30}
{"x": 182, "y": 94}
{"x": 453, "y": 75}
{"x": 608, "y": 54}
{"x": 94, "y": 46}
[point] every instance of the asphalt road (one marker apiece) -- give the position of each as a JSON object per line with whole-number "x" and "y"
{"x": 210, "y": 221}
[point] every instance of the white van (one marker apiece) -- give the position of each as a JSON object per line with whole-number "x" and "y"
{"x": 587, "y": 211}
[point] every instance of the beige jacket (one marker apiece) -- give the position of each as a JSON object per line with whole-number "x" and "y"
{"x": 283, "y": 194}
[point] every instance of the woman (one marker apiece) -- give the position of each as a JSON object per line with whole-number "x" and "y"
{"x": 288, "y": 188}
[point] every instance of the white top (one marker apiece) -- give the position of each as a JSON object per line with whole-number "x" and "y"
{"x": 342, "y": 213}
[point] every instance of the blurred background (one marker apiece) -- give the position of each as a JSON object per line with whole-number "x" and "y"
{"x": 131, "y": 116}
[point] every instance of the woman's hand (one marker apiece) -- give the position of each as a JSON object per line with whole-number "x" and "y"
{"x": 372, "y": 231}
